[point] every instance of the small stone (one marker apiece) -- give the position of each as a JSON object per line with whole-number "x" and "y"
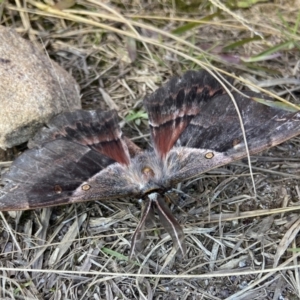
{"x": 33, "y": 89}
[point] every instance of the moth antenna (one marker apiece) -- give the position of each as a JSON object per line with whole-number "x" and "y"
{"x": 137, "y": 233}
{"x": 170, "y": 224}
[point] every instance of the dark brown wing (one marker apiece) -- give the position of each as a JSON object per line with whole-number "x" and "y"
{"x": 173, "y": 106}
{"x": 214, "y": 137}
{"x": 196, "y": 116}
{"x": 66, "y": 171}
{"x": 99, "y": 130}
{"x": 218, "y": 127}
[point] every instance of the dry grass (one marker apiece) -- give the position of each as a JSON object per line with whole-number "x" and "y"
{"x": 239, "y": 246}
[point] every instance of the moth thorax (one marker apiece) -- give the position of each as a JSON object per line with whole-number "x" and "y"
{"x": 147, "y": 173}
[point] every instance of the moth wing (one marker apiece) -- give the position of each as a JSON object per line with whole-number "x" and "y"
{"x": 172, "y": 107}
{"x": 62, "y": 172}
{"x": 195, "y": 126}
{"x": 71, "y": 151}
{"x": 99, "y": 130}
{"x": 214, "y": 137}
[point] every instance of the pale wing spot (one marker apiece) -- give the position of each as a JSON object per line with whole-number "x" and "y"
{"x": 209, "y": 155}
{"x": 85, "y": 187}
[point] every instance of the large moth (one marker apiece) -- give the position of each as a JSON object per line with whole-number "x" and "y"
{"x": 194, "y": 125}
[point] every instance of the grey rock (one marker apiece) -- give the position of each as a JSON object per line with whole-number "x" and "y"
{"x": 33, "y": 88}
